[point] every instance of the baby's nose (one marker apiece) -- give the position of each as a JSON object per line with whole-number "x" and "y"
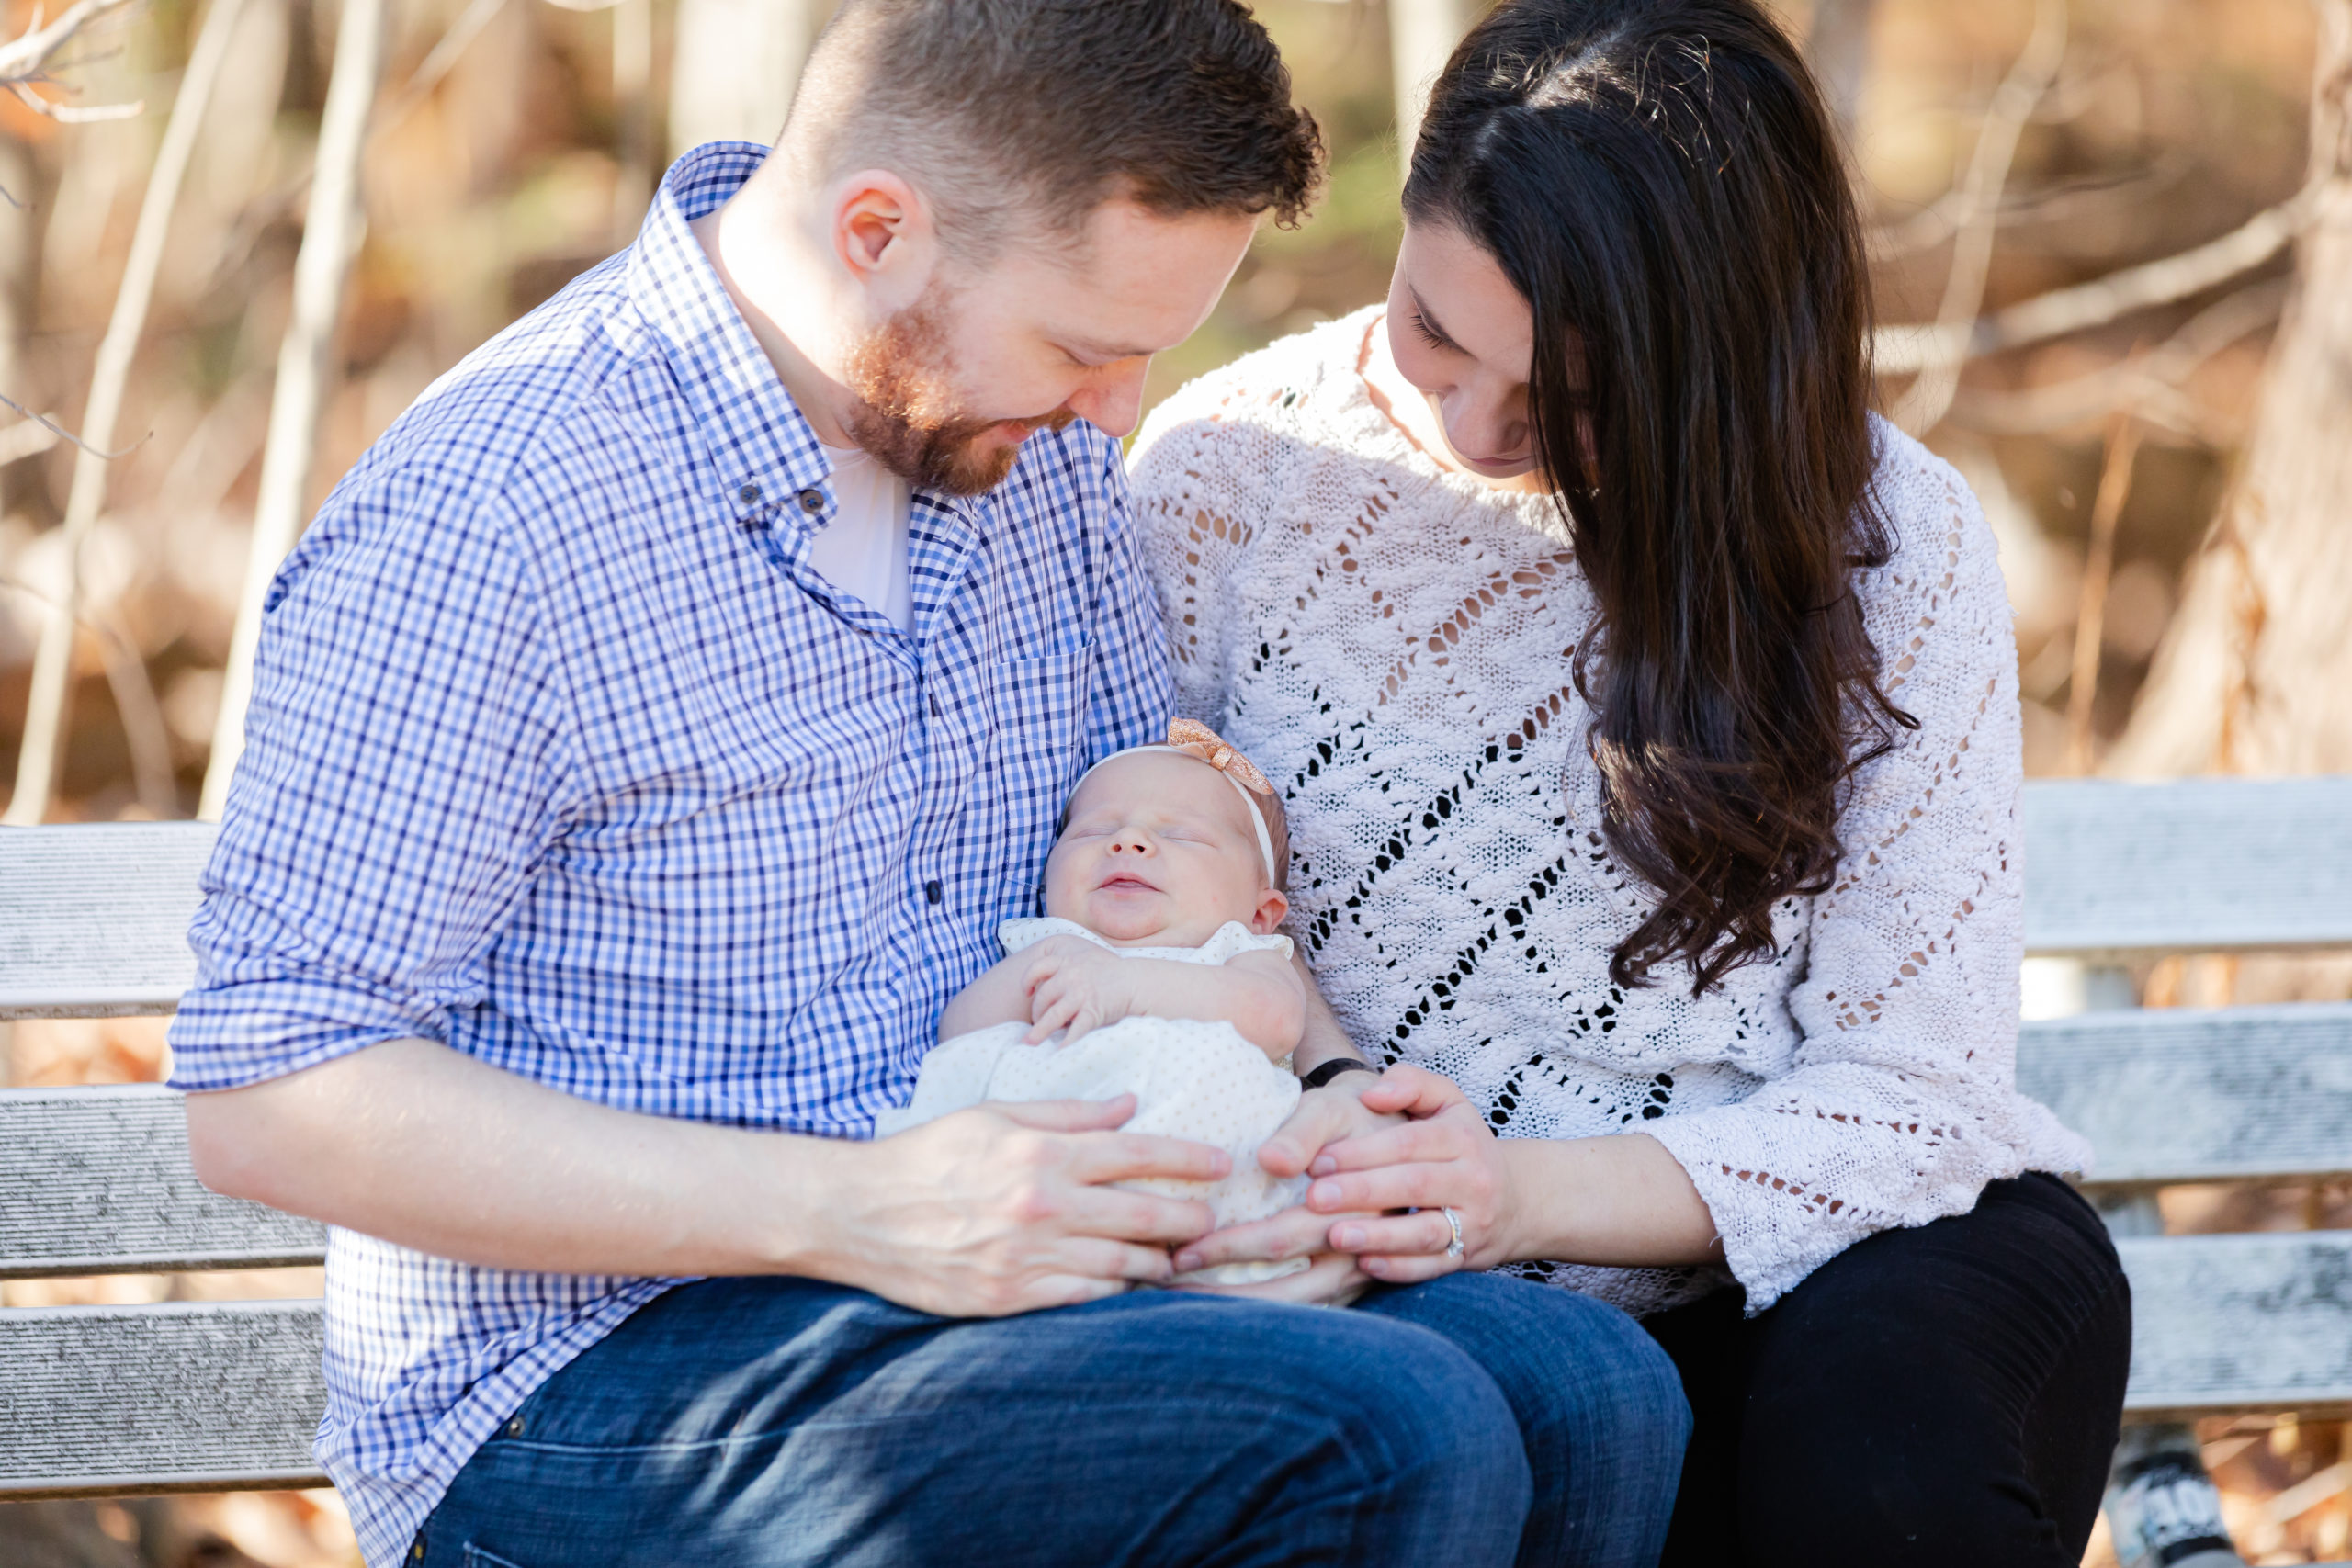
{"x": 1132, "y": 844}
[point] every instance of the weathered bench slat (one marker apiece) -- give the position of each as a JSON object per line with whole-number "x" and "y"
{"x": 2241, "y": 1322}
{"x": 2195, "y": 865}
{"x": 97, "y": 1181}
{"x": 117, "y": 1399}
{"x": 130, "y": 1399}
{"x": 2179, "y": 1094}
{"x": 94, "y": 918}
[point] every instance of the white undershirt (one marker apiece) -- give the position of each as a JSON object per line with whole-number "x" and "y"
{"x": 864, "y": 550}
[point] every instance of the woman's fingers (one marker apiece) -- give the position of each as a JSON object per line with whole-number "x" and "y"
{"x": 1092, "y": 1258}
{"x": 1317, "y": 1119}
{"x": 1332, "y": 1279}
{"x": 1390, "y": 1187}
{"x": 1415, "y": 1142}
{"x": 1294, "y": 1233}
{"x": 1409, "y": 1268}
{"x": 1414, "y": 1091}
{"x": 1403, "y": 1234}
{"x": 1323, "y": 1117}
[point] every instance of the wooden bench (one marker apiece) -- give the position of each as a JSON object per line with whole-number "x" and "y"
{"x": 186, "y": 1396}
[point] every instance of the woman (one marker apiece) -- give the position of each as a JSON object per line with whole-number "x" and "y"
{"x": 1647, "y": 712}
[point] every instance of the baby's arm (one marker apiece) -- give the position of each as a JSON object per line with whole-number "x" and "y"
{"x": 1259, "y": 993}
{"x": 1001, "y": 996}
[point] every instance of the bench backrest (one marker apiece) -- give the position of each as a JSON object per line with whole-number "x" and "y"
{"x": 113, "y": 1400}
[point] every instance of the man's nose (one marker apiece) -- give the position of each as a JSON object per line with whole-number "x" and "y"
{"x": 1112, "y": 402}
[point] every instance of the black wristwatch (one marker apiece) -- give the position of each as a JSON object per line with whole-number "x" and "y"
{"x": 1315, "y": 1077}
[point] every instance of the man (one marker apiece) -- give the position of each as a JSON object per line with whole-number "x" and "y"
{"x": 647, "y": 738}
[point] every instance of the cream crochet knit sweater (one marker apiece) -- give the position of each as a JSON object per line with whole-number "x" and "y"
{"x": 1387, "y": 640}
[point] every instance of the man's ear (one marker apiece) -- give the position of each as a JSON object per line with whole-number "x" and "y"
{"x": 1273, "y": 907}
{"x": 883, "y": 233}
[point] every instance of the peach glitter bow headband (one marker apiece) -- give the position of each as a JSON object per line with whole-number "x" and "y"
{"x": 1197, "y": 739}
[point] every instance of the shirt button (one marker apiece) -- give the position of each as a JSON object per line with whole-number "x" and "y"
{"x": 812, "y": 502}
{"x": 933, "y": 892}
{"x": 935, "y": 711}
{"x": 749, "y": 493}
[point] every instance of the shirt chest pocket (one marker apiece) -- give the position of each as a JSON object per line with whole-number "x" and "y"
{"x": 1039, "y": 742}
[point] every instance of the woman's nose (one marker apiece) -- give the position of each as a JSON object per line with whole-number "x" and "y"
{"x": 1487, "y": 430}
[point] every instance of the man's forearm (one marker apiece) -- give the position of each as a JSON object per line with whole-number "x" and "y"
{"x": 423, "y": 1146}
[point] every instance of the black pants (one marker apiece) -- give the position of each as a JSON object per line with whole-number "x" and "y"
{"x": 1947, "y": 1394}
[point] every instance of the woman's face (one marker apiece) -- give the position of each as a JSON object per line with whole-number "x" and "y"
{"x": 1461, "y": 335}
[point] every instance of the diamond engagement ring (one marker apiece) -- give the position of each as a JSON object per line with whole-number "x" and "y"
{"x": 1454, "y": 1247}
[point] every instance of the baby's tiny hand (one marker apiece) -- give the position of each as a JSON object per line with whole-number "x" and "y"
{"x": 1073, "y": 986}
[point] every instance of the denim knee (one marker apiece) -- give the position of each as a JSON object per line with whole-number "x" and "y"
{"x": 1572, "y": 1366}
{"x": 1426, "y": 1422}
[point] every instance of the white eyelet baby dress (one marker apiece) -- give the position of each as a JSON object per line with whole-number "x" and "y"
{"x": 1190, "y": 1079}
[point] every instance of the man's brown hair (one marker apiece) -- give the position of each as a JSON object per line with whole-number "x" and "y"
{"x": 1007, "y": 110}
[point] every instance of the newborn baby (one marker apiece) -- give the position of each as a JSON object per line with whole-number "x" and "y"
{"x": 1155, "y": 972}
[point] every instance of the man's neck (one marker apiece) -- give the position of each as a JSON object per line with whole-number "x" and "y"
{"x": 757, "y": 272}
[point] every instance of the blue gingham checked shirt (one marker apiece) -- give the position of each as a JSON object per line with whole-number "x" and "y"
{"x": 560, "y": 753}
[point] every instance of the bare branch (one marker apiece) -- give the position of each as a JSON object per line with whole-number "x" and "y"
{"x": 1923, "y": 401}
{"x": 305, "y": 365}
{"x": 2098, "y": 570}
{"x": 2144, "y": 385}
{"x": 60, "y": 433}
{"x": 2065, "y": 202}
{"x": 66, "y": 114}
{"x": 39, "y": 757}
{"x": 25, "y": 59}
{"x": 271, "y": 206}
{"x": 24, "y": 439}
{"x": 2094, "y": 304}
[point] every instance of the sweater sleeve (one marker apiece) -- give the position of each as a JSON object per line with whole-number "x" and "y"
{"x": 1900, "y": 1102}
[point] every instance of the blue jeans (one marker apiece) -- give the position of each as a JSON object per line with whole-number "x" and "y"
{"x": 1473, "y": 1422}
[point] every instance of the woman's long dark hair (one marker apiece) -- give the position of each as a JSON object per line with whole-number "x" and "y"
{"x": 1660, "y": 180}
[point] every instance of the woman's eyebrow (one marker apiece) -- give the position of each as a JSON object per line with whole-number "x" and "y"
{"x": 1420, "y": 309}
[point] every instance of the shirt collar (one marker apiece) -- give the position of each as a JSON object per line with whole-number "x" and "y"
{"x": 765, "y": 451}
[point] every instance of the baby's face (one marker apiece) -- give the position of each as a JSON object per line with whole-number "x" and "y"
{"x": 1159, "y": 851}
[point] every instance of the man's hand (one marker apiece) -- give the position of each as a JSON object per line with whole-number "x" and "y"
{"x": 1008, "y": 1208}
{"x": 998, "y": 1209}
{"x": 1076, "y": 986}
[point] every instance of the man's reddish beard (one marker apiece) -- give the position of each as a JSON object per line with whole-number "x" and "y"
{"x": 900, "y": 375}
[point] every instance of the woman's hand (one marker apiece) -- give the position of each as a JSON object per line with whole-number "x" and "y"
{"x": 1443, "y": 1158}
{"x": 1324, "y": 1117}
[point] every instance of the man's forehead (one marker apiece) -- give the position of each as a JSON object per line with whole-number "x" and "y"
{"x": 1120, "y": 285}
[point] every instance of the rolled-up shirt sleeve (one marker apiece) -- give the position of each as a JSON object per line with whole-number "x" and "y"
{"x": 406, "y": 762}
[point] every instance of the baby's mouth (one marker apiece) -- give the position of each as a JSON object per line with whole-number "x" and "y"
{"x": 1125, "y": 882}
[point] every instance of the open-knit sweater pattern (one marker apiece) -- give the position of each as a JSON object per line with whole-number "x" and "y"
{"x": 1390, "y": 641}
